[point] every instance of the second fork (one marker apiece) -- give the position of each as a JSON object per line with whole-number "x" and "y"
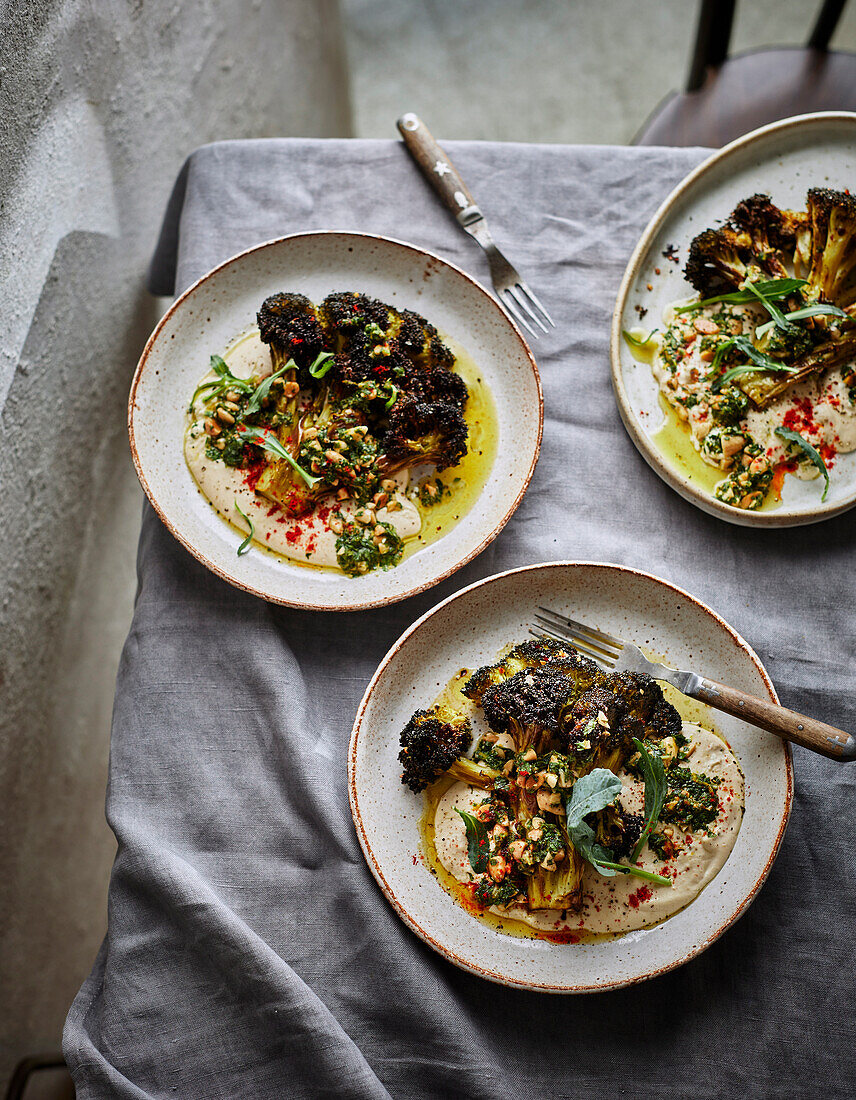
{"x": 512, "y": 291}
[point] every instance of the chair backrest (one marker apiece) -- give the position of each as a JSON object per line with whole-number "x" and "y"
{"x": 713, "y": 35}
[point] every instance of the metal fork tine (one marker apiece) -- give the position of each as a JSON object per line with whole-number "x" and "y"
{"x": 593, "y": 632}
{"x": 524, "y": 305}
{"x": 600, "y": 658}
{"x": 523, "y": 286}
{"x": 577, "y": 639}
{"x": 510, "y": 303}
{"x": 572, "y": 632}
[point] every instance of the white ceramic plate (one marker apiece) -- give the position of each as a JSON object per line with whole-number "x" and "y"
{"x": 783, "y": 160}
{"x": 468, "y": 630}
{"x": 225, "y": 301}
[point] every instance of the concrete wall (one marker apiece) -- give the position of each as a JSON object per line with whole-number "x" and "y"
{"x": 100, "y": 102}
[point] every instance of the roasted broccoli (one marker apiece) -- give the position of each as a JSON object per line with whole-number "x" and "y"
{"x": 530, "y": 703}
{"x": 618, "y": 830}
{"x": 554, "y": 716}
{"x": 435, "y": 385}
{"x": 423, "y": 434}
{"x": 832, "y": 275}
{"x": 529, "y": 654}
{"x": 763, "y": 221}
{"x": 720, "y": 260}
{"x": 433, "y": 743}
{"x": 290, "y": 326}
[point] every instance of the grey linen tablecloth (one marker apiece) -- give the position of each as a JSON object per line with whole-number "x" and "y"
{"x": 250, "y": 952}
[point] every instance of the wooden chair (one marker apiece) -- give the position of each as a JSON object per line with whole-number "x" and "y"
{"x": 729, "y": 96}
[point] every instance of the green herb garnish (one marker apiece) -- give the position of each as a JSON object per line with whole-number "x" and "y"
{"x": 816, "y": 309}
{"x": 392, "y": 397}
{"x": 225, "y": 381}
{"x": 770, "y": 289}
{"x": 272, "y": 445}
{"x": 760, "y": 361}
{"x": 804, "y": 445}
{"x": 635, "y": 341}
{"x": 323, "y": 362}
{"x": 591, "y": 793}
{"x": 245, "y": 545}
{"x": 656, "y": 786}
{"x": 477, "y": 845}
{"x": 263, "y": 389}
{"x": 778, "y": 317}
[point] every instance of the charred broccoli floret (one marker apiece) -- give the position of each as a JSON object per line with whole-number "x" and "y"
{"x": 599, "y": 725}
{"x": 531, "y": 700}
{"x": 721, "y": 260}
{"x": 289, "y": 325}
{"x": 762, "y": 220}
{"x": 433, "y": 743}
{"x": 588, "y": 725}
{"x": 346, "y": 315}
{"x": 832, "y": 276}
{"x": 434, "y": 434}
{"x": 420, "y": 341}
{"x": 641, "y": 698}
{"x": 618, "y": 830}
{"x": 437, "y": 385}
{"x": 529, "y": 654}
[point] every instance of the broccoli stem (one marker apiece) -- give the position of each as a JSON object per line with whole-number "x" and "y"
{"x": 559, "y": 889}
{"x": 477, "y": 775}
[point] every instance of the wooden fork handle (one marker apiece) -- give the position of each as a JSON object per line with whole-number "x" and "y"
{"x": 788, "y": 724}
{"x": 439, "y": 169}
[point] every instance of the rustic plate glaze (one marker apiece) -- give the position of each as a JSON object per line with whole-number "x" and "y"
{"x": 783, "y": 160}
{"x": 224, "y": 302}
{"x": 468, "y": 630}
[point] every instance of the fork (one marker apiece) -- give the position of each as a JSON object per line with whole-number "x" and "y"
{"x": 617, "y": 655}
{"x": 512, "y": 291}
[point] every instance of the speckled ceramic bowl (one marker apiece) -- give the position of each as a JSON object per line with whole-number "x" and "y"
{"x": 224, "y": 302}
{"x": 783, "y": 160}
{"x": 468, "y": 630}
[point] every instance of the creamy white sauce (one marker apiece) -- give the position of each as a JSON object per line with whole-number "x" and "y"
{"x": 831, "y": 419}
{"x": 623, "y": 903}
{"x": 304, "y": 538}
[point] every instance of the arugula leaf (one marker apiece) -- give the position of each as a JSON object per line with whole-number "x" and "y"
{"x": 263, "y": 389}
{"x": 816, "y": 309}
{"x": 323, "y": 362}
{"x": 272, "y": 445}
{"x": 635, "y": 341}
{"x": 477, "y": 846}
{"x": 656, "y": 788}
{"x": 804, "y": 445}
{"x": 768, "y": 288}
{"x": 591, "y": 793}
{"x": 245, "y": 545}
{"x": 603, "y": 860}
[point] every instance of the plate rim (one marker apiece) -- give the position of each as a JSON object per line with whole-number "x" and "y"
{"x": 473, "y": 968}
{"x": 675, "y": 480}
{"x": 285, "y": 601}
